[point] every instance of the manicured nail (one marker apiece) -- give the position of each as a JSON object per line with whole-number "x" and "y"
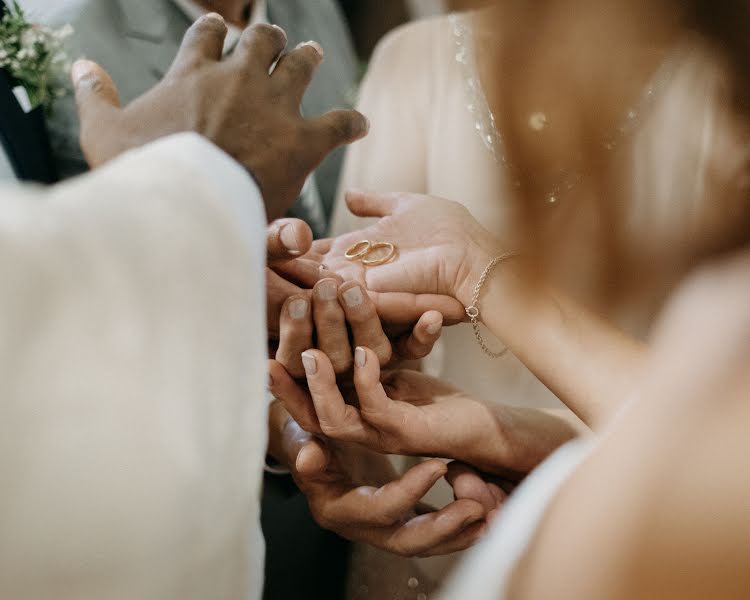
{"x": 360, "y": 357}
{"x": 310, "y": 364}
{"x": 298, "y": 309}
{"x": 353, "y": 297}
{"x": 433, "y": 328}
{"x": 327, "y": 290}
{"x": 215, "y": 17}
{"x": 315, "y": 45}
{"x": 289, "y": 239}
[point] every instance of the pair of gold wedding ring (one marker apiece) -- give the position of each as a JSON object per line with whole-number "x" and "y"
{"x": 371, "y": 254}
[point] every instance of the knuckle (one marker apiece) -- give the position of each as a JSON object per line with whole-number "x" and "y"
{"x": 342, "y": 362}
{"x": 300, "y": 64}
{"x": 209, "y": 25}
{"x": 330, "y": 429}
{"x": 264, "y": 33}
{"x": 384, "y": 352}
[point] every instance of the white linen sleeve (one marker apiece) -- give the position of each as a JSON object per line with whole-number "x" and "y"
{"x": 133, "y": 414}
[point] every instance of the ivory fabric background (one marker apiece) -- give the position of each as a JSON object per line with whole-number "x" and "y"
{"x": 132, "y": 377}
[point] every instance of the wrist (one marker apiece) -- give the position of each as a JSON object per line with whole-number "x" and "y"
{"x": 479, "y": 256}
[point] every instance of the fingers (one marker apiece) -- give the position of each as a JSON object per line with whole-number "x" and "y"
{"x": 388, "y": 505}
{"x": 203, "y": 42}
{"x": 287, "y": 239}
{"x": 312, "y": 459}
{"x": 278, "y": 290}
{"x": 465, "y": 539}
{"x": 467, "y": 483}
{"x": 303, "y": 272}
{"x": 337, "y": 419}
{"x": 337, "y": 128}
{"x": 295, "y": 334}
{"x": 403, "y": 308}
{"x": 295, "y": 70}
{"x": 293, "y": 396}
{"x": 426, "y": 534}
{"x": 423, "y": 338}
{"x": 364, "y": 204}
{"x": 96, "y": 98}
{"x": 373, "y": 401}
{"x": 364, "y": 321}
{"x": 330, "y": 325}
{"x": 260, "y": 47}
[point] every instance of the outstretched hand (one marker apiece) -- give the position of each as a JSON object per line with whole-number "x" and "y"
{"x": 245, "y": 107}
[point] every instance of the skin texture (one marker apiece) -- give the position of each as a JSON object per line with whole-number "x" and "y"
{"x": 356, "y": 494}
{"x": 277, "y": 145}
{"x": 408, "y": 413}
{"x": 673, "y": 522}
{"x": 587, "y": 363}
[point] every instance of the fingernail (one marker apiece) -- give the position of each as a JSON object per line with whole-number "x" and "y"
{"x": 360, "y": 357}
{"x": 80, "y": 69}
{"x": 280, "y": 30}
{"x": 326, "y": 290}
{"x": 289, "y": 239}
{"x": 270, "y": 380}
{"x": 367, "y": 124}
{"x": 298, "y": 309}
{"x": 315, "y": 45}
{"x": 433, "y": 328}
{"x": 215, "y": 17}
{"x": 353, "y": 297}
{"x": 310, "y": 364}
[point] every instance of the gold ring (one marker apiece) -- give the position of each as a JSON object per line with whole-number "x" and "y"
{"x": 358, "y": 250}
{"x": 388, "y": 257}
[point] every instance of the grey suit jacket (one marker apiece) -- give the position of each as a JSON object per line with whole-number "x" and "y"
{"x": 136, "y": 41}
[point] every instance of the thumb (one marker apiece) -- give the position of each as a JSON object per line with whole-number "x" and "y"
{"x": 94, "y": 88}
{"x": 97, "y": 98}
{"x": 337, "y": 128}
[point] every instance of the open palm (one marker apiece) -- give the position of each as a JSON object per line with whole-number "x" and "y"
{"x": 439, "y": 245}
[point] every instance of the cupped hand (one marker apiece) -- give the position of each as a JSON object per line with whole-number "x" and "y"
{"x": 413, "y": 414}
{"x": 442, "y": 249}
{"x": 356, "y": 494}
{"x": 245, "y": 107}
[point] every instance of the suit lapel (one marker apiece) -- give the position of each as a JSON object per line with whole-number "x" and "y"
{"x": 151, "y": 26}
{"x": 24, "y": 137}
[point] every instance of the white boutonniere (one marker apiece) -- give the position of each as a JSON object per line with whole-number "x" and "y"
{"x": 34, "y": 56}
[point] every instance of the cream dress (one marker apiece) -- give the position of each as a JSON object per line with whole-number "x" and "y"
{"x": 432, "y": 132}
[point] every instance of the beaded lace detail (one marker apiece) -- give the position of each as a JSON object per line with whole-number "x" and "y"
{"x": 486, "y": 125}
{"x": 484, "y": 119}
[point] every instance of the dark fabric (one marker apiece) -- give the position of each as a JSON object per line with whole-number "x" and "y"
{"x": 23, "y": 136}
{"x": 302, "y": 560}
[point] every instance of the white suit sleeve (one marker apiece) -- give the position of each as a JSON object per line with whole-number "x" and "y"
{"x": 132, "y": 383}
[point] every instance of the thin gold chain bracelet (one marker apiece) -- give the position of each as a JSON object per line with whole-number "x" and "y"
{"x": 473, "y": 311}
